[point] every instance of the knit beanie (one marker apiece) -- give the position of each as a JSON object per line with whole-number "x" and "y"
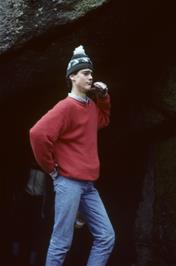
{"x": 78, "y": 61}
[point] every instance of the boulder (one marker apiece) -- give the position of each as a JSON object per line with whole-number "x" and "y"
{"x": 22, "y": 20}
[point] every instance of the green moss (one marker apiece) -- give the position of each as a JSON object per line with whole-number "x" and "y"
{"x": 84, "y": 6}
{"x": 76, "y": 9}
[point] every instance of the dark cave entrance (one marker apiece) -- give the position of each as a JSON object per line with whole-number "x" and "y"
{"x": 123, "y": 153}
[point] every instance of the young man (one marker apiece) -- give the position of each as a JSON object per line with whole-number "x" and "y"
{"x": 64, "y": 142}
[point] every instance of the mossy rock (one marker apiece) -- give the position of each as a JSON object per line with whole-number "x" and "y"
{"x": 23, "y": 20}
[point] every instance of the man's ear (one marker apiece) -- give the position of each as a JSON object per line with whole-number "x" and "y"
{"x": 72, "y": 76}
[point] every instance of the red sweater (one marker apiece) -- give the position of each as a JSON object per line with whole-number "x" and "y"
{"x": 67, "y": 136}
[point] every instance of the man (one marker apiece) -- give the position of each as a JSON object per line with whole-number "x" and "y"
{"x": 64, "y": 142}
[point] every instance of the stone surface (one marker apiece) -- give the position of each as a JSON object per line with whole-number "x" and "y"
{"x": 22, "y": 20}
{"x": 144, "y": 223}
{"x": 165, "y": 205}
{"x": 167, "y": 95}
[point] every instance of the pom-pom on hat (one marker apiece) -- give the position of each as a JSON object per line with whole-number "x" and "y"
{"x": 78, "y": 61}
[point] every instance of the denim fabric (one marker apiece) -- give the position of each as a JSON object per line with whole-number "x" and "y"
{"x": 71, "y": 196}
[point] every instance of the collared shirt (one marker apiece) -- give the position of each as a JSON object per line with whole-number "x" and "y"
{"x": 78, "y": 98}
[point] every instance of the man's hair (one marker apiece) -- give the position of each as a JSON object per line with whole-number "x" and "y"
{"x": 69, "y": 83}
{"x": 68, "y": 80}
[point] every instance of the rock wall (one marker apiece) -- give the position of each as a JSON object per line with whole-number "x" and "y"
{"x": 23, "y": 20}
{"x": 165, "y": 205}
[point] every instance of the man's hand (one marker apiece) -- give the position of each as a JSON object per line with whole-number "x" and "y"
{"x": 100, "y": 88}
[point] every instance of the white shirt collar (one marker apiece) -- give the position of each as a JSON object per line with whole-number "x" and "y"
{"x": 79, "y": 98}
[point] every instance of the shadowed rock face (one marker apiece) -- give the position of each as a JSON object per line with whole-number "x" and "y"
{"x": 23, "y": 19}
{"x": 135, "y": 54}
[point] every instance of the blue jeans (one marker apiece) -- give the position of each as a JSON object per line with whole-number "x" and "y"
{"x": 71, "y": 196}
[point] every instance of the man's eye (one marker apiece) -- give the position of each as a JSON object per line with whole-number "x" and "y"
{"x": 87, "y": 73}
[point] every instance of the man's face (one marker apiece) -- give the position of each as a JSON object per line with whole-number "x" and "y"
{"x": 82, "y": 80}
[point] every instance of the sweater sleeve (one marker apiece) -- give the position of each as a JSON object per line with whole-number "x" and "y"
{"x": 103, "y": 107}
{"x": 45, "y": 133}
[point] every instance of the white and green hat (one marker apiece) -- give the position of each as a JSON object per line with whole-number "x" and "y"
{"x": 78, "y": 61}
